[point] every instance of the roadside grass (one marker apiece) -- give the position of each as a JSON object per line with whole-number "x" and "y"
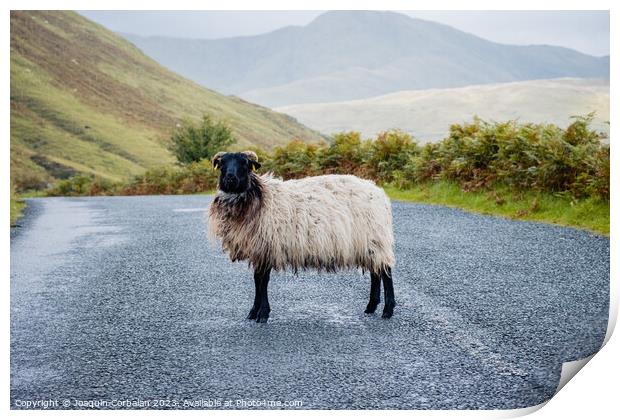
{"x": 17, "y": 207}
{"x": 590, "y": 214}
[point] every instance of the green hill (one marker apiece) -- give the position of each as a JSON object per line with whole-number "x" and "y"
{"x": 85, "y": 100}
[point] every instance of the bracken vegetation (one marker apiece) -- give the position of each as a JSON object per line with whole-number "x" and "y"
{"x": 188, "y": 179}
{"x": 573, "y": 161}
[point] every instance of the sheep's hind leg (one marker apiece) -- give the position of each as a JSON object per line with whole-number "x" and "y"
{"x": 257, "y": 281}
{"x": 388, "y": 287}
{"x": 263, "y": 309}
{"x": 375, "y": 293}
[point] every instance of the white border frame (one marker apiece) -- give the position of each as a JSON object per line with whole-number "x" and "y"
{"x": 591, "y": 393}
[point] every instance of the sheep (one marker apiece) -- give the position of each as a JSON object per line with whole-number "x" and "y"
{"x": 327, "y": 222}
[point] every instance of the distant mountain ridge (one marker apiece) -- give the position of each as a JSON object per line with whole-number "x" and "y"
{"x": 84, "y": 100}
{"x": 344, "y": 55}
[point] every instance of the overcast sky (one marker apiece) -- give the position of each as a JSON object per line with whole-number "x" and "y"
{"x": 586, "y": 31}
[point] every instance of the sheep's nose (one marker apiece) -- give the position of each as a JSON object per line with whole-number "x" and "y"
{"x": 230, "y": 180}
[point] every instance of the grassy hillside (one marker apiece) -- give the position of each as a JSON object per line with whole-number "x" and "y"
{"x": 346, "y": 55}
{"x": 85, "y": 100}
{"x": 428, "y": 114}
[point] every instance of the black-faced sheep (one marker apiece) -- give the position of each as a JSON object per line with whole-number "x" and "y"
{"x": 325, "y": 222}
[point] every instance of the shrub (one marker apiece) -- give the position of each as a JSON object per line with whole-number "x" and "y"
{"x": 296, "y": 159}
{"x": 347, "y": 154}
{"x": 194, "y": 142}
{"x": 190, "y": 179}
{"x": 389, "y": 155}
{"x": 83, "y": 184}
{"x": 524, "y": 156}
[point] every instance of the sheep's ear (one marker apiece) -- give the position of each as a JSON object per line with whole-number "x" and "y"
{"x": 255, "y": 165}
{"x": 216, "y": 159}
{"x": 253, "y": 157}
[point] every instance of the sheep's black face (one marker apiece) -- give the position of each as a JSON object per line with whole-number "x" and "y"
{"x": 235, "y": 170}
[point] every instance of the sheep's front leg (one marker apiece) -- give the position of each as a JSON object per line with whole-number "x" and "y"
{"x": 262, "y": 274}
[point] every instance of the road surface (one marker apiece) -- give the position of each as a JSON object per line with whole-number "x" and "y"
{"x": 121, "y": 300}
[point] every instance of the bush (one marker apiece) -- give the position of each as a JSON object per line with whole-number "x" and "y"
{"x": 294, "y": 160}
{"x": 347, "y": 154}
{"x": 389, "y": 155}
{"x": 83, "y": 184}
{"x": 524, "y": 156}
{"x": 190, "y": 179}
{"x": 193, "y": 143}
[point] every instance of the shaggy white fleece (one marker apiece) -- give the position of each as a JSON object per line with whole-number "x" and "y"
{"x": 326, "y": 222}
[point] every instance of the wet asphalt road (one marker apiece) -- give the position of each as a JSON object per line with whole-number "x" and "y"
{"x": 123, "y": 298}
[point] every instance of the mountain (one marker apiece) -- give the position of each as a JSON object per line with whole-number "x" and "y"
{"x": 344, "y": 55}
{"x": 428, "y": 114}
{"x": 83, "y": 99}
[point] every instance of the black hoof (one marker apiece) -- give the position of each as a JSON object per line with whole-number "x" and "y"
{"x": 371, "y": 308}
{"x": 388, "y": 311}
{"x": 253, "y": 313}
{"x": 262, "y": 316}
